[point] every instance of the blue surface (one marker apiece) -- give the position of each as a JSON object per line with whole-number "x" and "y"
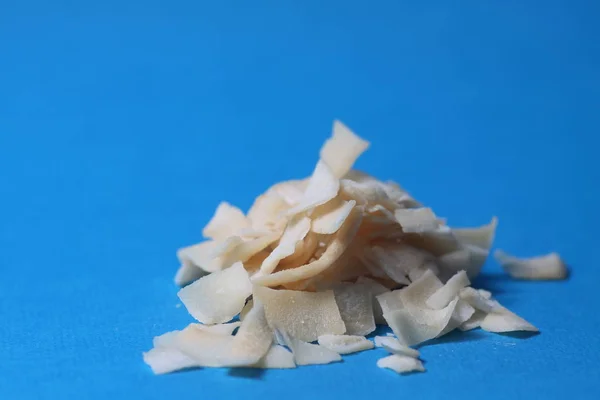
{"x": 123, "y": 125}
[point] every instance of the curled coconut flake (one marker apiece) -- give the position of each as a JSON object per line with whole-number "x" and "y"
{"x": 394, "y": 346}
{"x": 245, "y": 250}
{"x": 401, "y": 364}
{"x": 227, "y": 221}
{"x": 462, "y": 313}
{"x": 328, "y": 218}
{"x": 482, "y": 236}
{"x": 474, "y": 322}
{"x": 304, "y": 315}
{"x": 477, "y": 299}
{"x": 217, "y": 297}
{"x": 336, "y": 248}
{"x": 293, "y": 234}
{"x": 199, "y": 256}
{"x": 417, "y": 220}
{"x": 546, "y": 267}
{"x": 345, "y": 344}
{"x": 254, "y": 337}
{"x": 449, "y": 291}
{"x": 264, "y": 213}
{"x": 355, "y": 303}
{"x": 342, "y": 149}
{"x": 322, "y": 187}
{"x": 503, "y": 320}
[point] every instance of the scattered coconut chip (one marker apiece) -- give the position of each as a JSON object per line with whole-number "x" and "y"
{"x": 546, "y": 267}
{"x": 304, "y": 315}
{"x": 328, "y": 218}
{"x": 322, "y": 187}
{"x": 217, "y": 297}
{"x": 401, "y": 364}
{"x": 310, "y": 354}
{"x": 342, "y": 149}
{"x": 276, "y": 358}
{"x": 293, "y": 234}
{"x": 345, "y": 344}
{"x": 394, "y": 346}
{"x": 355, "y": 303}
{"x": 449, "y": 291}
{"x": 503, "y": 320}
{"x": 417, "y": 220}
{"x": 226, "y": 222}
{"x": 205, "y": 348}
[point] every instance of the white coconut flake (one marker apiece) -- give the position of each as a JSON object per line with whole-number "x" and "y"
{"x": 345, "y": 344}
{"x": 328, "y": 218}
{"x": 254, "y": 337}
{"x": 355, "y": 303}
{"x": 390, "y": 301}
{"x": 276, "y": 358}
{"x": 401, "y": 364}
{"x": 227, "y": 221}
{"x": 219, "y": 329}
{"x": 218, "y": 297}
{"x": 342, "y": 149}
{"x": 546, "y": 267}
{"x": 376, "y": 289}
{"x": 394, "y": 346}
{"x": 482, "y": 236}
{"x": 310, "y": 354}
{"x": 165, "y": 360}
{"x": 503, "y": 320}
{"x": 443, "y": 296}
{"x": 200, "y": 256}
{"x": 476, "y": 299}
{"x": 322, "y": 187}
{"x": 293, "y": 234}
{"x": 303, "y": 315}
{"x": 474, "y": 322}
{"x": 417, "y": 220}
{"x": 187, "y": 273}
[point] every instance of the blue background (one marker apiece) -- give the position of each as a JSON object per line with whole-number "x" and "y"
{"x": 123, "y": 125}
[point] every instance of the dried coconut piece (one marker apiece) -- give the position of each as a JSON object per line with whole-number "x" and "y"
{"x": 336, "y": 248}
{"x": 366, "y": 193}
{"x": 345, "y": 344}
{"x": 390, "y": 301}
{"x": 291, "y": 191}
{"x": 468, "y": 258}
{"x": 401, "y": 364}
{"x": 164, "y": 360}
{"x": 341, "y": 151}
{"x": 503, "y": 320}
{"x": 417, "y": 293}
{"x": 462, "y": 313}
{"x": 476, "y": 299}
{"x": 322, "y": 187}
{"x": 247, "y": 249}
{"x": 328, "y": 218}
{"x": 449, "y": 291}
{"x": 394, "y": 346}
{"x": 414, "y": 326}
{"x": 546, "y": 267}
{"x": 482, "y": 236}
{"x": 293, "y": 234}
{"x": 305, "y": 315}
{"x": 417, "y": 220}
{"x": 200, "y": 256}
{"x": 220, "y": 329}
{"x": 356, "y": 308}
{"x": 187, "y": 273}
{"x": 227, "y": 221}
{"x": 304, "y": 251}
{"x": 376, "y": 289}
{"x": 264, "y": 213}
{"x": 217, "y": 297}
{"x": 474, "y": 322}
{"x": 276, "y": 358}
{"x": 246, "y": 309}
{"x": 254, "y": 337}
{"x": 307, "y": 353}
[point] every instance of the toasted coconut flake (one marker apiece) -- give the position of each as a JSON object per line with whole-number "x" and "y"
{"x": 503, "y": 320}
{"x": 334, "y": 251}
{"x": 449, "y": 291}
{"x": 322, "y": 187}
{"x": 482, "y": 236}
{"x": 376, "y": 289}
{"x": 476, "y": 299}
{"x": 217, "y": 297}
{"x": 293, "y": 234}
{"x": 227, "y": 221}
{"x": 417, "y": 220}
{"x": 401, "y": 364}
{"x": 328, "y": 218}
{"x": 356, "y": 308}
{"x": 342, "y": 149}
{"x": 254, "y": 337}
{"x": 394, "y": 346}
{"x": 345, "y": 344}
{"x": 304, "y": 315}
{"x": 546, "y": 267}
{"x": 276, "y": 358}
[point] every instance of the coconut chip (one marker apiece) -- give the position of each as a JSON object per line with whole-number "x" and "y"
{"x": 276, "y": 358}
{"x": 342, "y": 149}
{"x": 310, "y": 354}
{"x": 217, "y": 297}
{"x": 401, "y": 364}
{"x": 355, "y": 303}
{"x": 417, "y": 220}
{"x": 503, "y": 320}
{"x": 328, "y": 218}
{"x": 449, "y": 291}
{"x": 345, "y": 344}
{"x": 293, "y": 234}
{"x": 394, "y": 346}
{"x": 322, "y": 187}
{"x": 546, "y": 267}
{"x": 227, "y": 221}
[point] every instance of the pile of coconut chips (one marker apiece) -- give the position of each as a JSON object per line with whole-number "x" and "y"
{"x": 316, "y": 263}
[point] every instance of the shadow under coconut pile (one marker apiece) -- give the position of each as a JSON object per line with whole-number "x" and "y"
{"x": 335, "y": 264}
